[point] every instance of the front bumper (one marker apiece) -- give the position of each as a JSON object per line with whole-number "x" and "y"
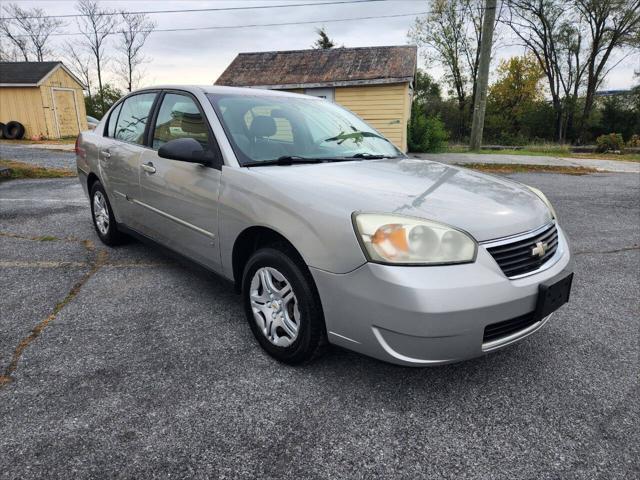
{"x": 428, "y": 315}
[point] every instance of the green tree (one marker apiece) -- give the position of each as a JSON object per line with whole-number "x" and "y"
{"x": 426, "y": 90}
{"x": 323, "y": 42}
{"x": 450, "y": 35}
{"x": 516, "y": 90}
{"x": 93, "y": 104}
{"x": 425, "y": 133}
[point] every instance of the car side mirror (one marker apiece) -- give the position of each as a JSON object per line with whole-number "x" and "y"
{"x": 186, "y": 150}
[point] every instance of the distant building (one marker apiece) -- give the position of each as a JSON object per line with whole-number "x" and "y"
{"x": 45, "y": 97}
{"x": 376, "y": 83}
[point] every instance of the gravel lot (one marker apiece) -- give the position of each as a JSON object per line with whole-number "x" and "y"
{"x": 148, "y": 370}
{"x": 39, "y": 156}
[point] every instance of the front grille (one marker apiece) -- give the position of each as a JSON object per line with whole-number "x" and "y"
{"x": 506, "y": 328}
{"x": 516, "y": 258}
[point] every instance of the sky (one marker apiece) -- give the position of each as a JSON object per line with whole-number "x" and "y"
{"x": 200, "y": 57}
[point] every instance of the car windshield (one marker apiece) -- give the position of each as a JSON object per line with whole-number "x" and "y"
{"x": 264, "y": 128}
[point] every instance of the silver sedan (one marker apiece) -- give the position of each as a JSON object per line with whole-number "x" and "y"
{"x": 329, "y": 232}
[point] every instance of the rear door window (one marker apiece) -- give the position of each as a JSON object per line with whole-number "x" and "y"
{"x": 133, "y": 118}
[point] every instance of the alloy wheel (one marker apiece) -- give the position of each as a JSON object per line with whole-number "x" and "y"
{"x": 101, "y": 212}
{"x": 275, "y": 306}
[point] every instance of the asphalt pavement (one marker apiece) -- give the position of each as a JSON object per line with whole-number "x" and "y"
{"x": 144, "y": 367}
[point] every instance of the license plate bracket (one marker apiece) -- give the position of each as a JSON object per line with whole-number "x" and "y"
{"x": 553, "y": 293}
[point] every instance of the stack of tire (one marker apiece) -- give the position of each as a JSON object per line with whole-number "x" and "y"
{"x": 12, "y": 130}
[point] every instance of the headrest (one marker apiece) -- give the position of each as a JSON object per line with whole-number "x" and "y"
{"x": 192, "y": 123}
{"x": 263, "y": 126}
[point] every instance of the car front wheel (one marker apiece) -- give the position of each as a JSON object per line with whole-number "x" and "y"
{"x": 282, "y": 306}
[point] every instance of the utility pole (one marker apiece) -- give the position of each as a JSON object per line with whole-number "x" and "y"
{"x": 480, "y": 104}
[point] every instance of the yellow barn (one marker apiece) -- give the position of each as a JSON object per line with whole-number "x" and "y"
{"x": 376, "y": 83}
{"x": 45, "y": 97}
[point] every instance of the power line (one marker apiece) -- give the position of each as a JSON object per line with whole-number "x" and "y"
{"x": 218, "y": 9}
{"x": 227, "y": 27}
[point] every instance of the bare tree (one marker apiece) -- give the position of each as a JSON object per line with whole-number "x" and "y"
{"x": 18, "y": 42}
{"x": 34, "y": 29}
{"x": 79, "y": 62}
{"x": 612, "y": 24}
{"x": 9, "y": 53}
{"x": 546, "y": 29}
{"x": 134, "y": 30}
{"x": 96, "y": 24}
{"x": 28, "y": 30}
{"x": 573, "y": 43}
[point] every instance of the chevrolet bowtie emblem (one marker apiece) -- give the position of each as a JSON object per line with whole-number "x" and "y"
{"x": 540, "y": 249}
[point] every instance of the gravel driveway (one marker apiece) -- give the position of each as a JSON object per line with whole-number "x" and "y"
{"x": 39, "y": 156}
{"x": 145, "y": 367}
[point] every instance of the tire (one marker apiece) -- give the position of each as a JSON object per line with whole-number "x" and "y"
{"x": 103, "y": 220}
{"x": 13, "y": 130}
{"x": 310, "y": 337}
{"x": 1, "y": 130}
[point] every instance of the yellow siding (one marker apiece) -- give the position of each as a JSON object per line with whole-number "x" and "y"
{"x": 384, "y": 107}
{"x": 61, "y": 79}
{"x": 23, "y": 104}
{"x": 34, "y": 108}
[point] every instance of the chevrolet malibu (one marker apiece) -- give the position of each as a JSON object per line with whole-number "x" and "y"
{"x": 329, "y": 232}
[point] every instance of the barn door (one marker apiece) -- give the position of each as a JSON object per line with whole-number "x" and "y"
{"x": 64, "y": 102}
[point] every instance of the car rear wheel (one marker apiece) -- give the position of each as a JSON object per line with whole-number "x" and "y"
{"x": 282, "y": 306}
{"x": 103, "y": 219}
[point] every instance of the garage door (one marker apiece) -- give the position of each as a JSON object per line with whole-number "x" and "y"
{"x": 66, "y": 113}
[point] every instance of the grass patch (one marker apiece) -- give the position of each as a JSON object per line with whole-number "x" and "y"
{"x": 624, "y": 157}
{"x": 522, "y": 168}
{"x": 26, "y": 170}
{"x": 551, "y": 150}
{"x": 46, "y": 238}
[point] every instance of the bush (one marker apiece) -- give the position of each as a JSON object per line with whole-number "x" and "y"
{"x": 634, "y": 141}
{"x": 426, "y": 133}
{"x": 610, "y": 142}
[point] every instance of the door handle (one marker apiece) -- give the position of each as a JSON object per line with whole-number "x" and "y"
{"x": 105, "y": 154}
{"x": 148, "y": 167}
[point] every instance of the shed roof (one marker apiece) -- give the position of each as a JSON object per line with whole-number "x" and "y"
{"x": 322, "y": 68}
{"x": 29, "y": 74}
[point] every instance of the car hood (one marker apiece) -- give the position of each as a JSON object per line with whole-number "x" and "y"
{"x": 487, "y": 207}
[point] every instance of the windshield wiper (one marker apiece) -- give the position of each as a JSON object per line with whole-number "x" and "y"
{"x": 371, "y": 156}
{"x": 283, "y": 161}
{"x": 357, "y": 136}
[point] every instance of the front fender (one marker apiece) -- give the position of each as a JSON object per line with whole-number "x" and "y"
{"x": 322, "y": 233}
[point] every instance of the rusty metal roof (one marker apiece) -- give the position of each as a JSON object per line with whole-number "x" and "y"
{"x": 322, "y": 68}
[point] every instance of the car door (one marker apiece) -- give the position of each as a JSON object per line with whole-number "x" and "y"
{"x": 181, "y": 198}
{"x": 120, "y": 155}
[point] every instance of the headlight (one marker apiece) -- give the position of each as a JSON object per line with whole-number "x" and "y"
{"x": 544, "y": 198}
{"x": 407, "y": 240}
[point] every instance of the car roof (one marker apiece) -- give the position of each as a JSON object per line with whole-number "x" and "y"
{"x": 216, "y": 89}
